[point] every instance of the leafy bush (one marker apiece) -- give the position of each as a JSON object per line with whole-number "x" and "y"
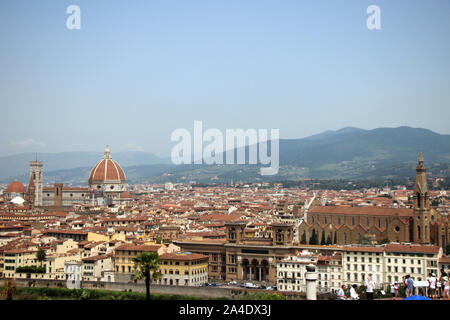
{"x": 262, "y": 296}
{"x": 33, "y": 293}
{"x": 30, "y": 269}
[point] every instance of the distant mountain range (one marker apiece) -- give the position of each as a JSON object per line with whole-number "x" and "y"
{"x": 346, "y": 153}
{"x": 384, "y": 145}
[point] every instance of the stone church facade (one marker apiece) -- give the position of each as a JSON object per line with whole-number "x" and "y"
{"x": 348, "y": 225}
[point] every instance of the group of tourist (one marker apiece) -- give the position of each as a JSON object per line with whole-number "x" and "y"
{"x": 369, "y": 286}
{"x": 437, "y": 288}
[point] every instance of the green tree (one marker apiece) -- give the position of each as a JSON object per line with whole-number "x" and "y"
{"x": 40, "y": 255}
{"x": 384, "y": 241}
{"x": 303, "y": 241}
{"x": 335, "y": 237}
{"x": 447, "y": 249}
{"x": 30, "y": 269}
{"x": 329, "y": 239}
{"x": 322, "y": 240}
{"x": 147, "y": 265}
{"x": 363, "y": 239}
{"x": 314, "y": 238}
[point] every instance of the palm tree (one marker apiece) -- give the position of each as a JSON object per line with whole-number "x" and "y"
{"x": 40, "y": 255}
{"x": 9, "y": 290}
{"x": 147, "y": 265}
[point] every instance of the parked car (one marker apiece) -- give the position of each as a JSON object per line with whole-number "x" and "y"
{"x": 233, "y": 283}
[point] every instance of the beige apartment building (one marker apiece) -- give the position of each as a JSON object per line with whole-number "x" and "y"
{"x": 94, "y": 268}
{"x": 329, "y": 269}
{"x": 359, "y": 262}
{"x": 385, "y": 264}
{"x": 389, "y": 263}
{"x": 416, "y": 260}
{"x": 291, "y": 271}
{"x": 16, "y": 258}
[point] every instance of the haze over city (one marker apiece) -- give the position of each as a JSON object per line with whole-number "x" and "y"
{"x": 138, "y": 70}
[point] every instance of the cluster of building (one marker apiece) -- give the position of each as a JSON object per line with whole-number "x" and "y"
{"x": 246, "y": 233}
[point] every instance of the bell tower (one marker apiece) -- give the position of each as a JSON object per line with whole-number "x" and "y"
{"x": 31, "y": 192}
{"x": 36, "y": 178}
{"x": 421, "y": 199}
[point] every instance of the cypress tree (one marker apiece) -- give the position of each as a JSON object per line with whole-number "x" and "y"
{"x": 322, "y": 240}
{"x": 329, "y": 239}
{"x": 303, "y": 241}
{"x": 335, "y": 237}
{"x": 313, "y": 239}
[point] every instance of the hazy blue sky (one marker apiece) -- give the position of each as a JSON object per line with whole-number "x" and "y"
{"x": 137, "y": 70}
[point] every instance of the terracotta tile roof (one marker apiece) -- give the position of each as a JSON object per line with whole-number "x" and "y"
{"x": 66, "y": 232}
{"x": 370, "y": 211}
{"x": 16, "y": 187}
{"x": 411, "y": 248}
{"x": 93, "y": 244}
{"x": 133, "y": 247}
{"x": 14, "y": 251}
{"x": 55, "y": 214}
{"x": 363, "y": 249}
{"x": 183, "y": 256}
{"x": 95, "y": 258}
{"x": 73, "y": 251}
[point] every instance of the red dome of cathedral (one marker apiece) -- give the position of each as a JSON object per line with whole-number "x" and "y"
{"x": 16, "y": 187}
{"x": 107, "y": 171}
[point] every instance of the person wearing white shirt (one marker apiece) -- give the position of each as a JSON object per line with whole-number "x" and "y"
{"x": 369, "y": 288}
{"x": 432, "y": 281}
{"x": 353, "y": 294}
